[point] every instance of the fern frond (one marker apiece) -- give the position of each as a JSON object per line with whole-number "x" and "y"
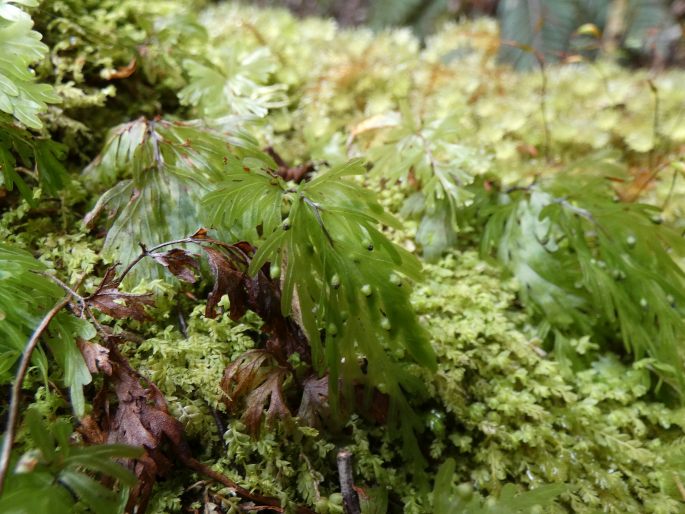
{"x": 237, "y": 84}
{"x": 20, "y": 47}
{"x": 169, "y": 166}
{"x": 350, "y": 285}
{"x": 591, "y": 264}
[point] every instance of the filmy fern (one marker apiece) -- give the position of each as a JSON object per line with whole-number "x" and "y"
{"x": 595, "y": 265}
{"x": 349, "y": 283}
{"x": 427, "y": 156}
{"x": 23, "y": 99}
{"x": 237, "y": 84}
{"x": 57, "y": 476}
{"x": 25, "y": 296}
{"x": 168, "y": 167}
{"x": 20, "y": 47}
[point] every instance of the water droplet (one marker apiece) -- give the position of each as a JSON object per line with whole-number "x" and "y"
{"x": 335, "y": 281}
{"x": 275, "y": 271}
{"x": 630, "y": 241}
{"x": 643, "y": 303}
{"x": 286, "y": 224}
{"x": 465, "y": 491}
{"x": 395, "y": 279}
{"x": 657, "y": 219}
{"x": 385, "y": 324}
{"x": 366, "y": 290}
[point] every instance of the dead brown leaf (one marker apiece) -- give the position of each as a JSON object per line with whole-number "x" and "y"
{"x": 253, "y": 381}
{"x": 96, "y": 357}
{"x": 108, "y": 299}
{"x": 180, "y": 263}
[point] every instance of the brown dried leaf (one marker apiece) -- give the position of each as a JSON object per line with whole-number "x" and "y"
{"x": 314, "y": 408}
{"x": 227, "y": 281}
{"x": 141, "y": 418}
{"x": 96, "y": 357}
{"x": 180, "y": 263}
{"x": 201, "y": 233}
{"x": 108, "y": 299}
{"x": 123, "y": 72}
{"x": 270, "y": 393}
{"x": 255, "y": 380}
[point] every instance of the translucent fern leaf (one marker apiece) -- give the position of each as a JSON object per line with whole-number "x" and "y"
{"x": 25, "y": 297}
{"x": 171, "y": 165}
{"x": 342, "y": 277}
{"x": 427, "y": 157}
{"x": 588, "y": 263}
{"x": 236, "y": 84}
{"x": 20, "y": 47}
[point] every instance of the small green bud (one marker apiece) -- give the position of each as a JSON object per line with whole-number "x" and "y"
{"x": 336, "y": 499}
{"x": 395, "y": 279}
{"x": 536, "y": 509}
{"x": 385, "y": 324}
{"x": 332, "y": 330}
{"x": 286, "y": 224}
{"x": 335, "y": 281}
{"x": 643, "y": 303}
{"x": 630, "y": 241}
{"x": 657, "y": 219}
{"x": 366, "y": 290}
{"x": 275, "y": 271}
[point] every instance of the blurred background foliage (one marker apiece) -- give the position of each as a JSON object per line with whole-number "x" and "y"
{"x": 637, "y": 32}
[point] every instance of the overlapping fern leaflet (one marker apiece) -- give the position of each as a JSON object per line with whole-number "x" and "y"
{"x": 25, "y": 296}
{"x": 22, "y": 99}
{"x": 594, "y": 265}
{"x": 425, "y": 154}
{"x": 347, "y": 283}
{"x": 168, "y": 167}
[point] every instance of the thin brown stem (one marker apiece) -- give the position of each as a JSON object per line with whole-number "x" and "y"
{"x": 147, "y": 251}
{"x": 16, "y": 387}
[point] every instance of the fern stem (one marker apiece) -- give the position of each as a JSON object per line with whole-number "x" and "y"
{"x": 16, "y": 387}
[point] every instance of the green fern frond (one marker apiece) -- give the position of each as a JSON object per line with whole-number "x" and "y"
{"x": 168, "y": 167}
{"x": 23, "y": 99}
{"x": 58, "y": 476}
{"x": 427, "y": 156}
{"x": 20, "y": 47}
{"x": 237, "y": 84}
{"x": 25, "y": 297}
{"x": 341, "y": 276}
{"x": 594, "y": 265}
